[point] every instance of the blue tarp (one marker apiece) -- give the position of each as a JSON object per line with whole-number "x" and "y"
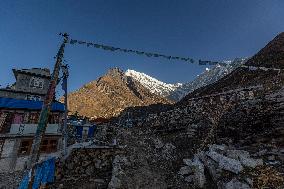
{"x": 27, "y": 104}
{"x": 44, "y": 174}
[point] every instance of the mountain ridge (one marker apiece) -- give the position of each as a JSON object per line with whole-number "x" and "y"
{"x": 177, "y": 91}
{"x": 270, "y": 56}
{"x": 110, "y": 94}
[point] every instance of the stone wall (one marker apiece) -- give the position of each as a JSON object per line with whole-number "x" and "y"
{"x": 86, "y": 168}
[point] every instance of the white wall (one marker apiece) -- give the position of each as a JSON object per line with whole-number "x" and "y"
{"x": 8, "y": 164}
{"x": 23, "y": 160}
{"x": 8, "y": 148}
{"x": 7, "y": 155}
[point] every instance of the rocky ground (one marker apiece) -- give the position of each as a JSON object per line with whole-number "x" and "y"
{"x": 182, "y": 148}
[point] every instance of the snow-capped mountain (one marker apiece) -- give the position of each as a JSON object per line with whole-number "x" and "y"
{"x": 154, "y": 85}
{"x": 207, "y": 77}
{"x": 177, "y": 91}
{"x": 110, "y": 94}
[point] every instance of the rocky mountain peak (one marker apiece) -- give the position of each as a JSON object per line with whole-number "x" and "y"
{"x": 115, "y": 72}
{"x": 110, "y": 94}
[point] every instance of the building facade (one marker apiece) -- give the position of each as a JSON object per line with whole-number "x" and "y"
{"x": 31, "y": 84}
{"x": 20, "y": 107}
{"x": 80, "y": 130}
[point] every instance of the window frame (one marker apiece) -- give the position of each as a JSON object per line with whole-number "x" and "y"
{"x": 29, "y": 147}
{"x": 50, "y": 146}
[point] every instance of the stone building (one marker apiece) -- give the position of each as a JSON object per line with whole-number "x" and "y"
{"x": 20, "y": 107}
{"x": 31, "y": 84}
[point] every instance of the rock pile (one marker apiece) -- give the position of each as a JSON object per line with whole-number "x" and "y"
{"x": 227, "y": 167}
{"x": 118, "y": 163}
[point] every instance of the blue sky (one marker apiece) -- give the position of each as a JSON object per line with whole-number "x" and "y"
{"x": 205, "y": 29}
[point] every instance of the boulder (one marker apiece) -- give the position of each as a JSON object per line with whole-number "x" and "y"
{"x": 158, "y": 143}
{"x": 187, "y": 162}
{"x": 189, "y": 178}
{"x": 214, "y": 155}
{"x": 199, "y": 176}
{"x": 236, "y": 154}
{"x": 226, "y": 163}
{"x": 236, "y": 184}
{"x": 231, "y": 165}
{"x": 211, "y": 166}
{"x": 216, "y": 147}
{"x": 90, "y": 170}
{"x": 185, "y": 170}
{"x": 114, "y": 183}
{"x": 250, "y": 162}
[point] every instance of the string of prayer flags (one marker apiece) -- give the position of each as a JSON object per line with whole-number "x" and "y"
{"x": 148, "y": 54}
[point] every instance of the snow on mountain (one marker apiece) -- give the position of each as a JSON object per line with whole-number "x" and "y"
{"x": 177, "y": 91}
{"x": 207, "y": 77}
{"x": 154, "y": 85}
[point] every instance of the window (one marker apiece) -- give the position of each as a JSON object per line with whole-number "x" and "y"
{"x": 18, "y": 118}
{"x": 34, "y": 118}
{"x": 53, "y": 119}
{"x": 53, "y": 145}
{"x": 26, "y": 117}
{"x": 25, "y": 147}
{"x": 48, "y": 146}
{"x": 36, "y": 82}
{"x": 44, "y": 146}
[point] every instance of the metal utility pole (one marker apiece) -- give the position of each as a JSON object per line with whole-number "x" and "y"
{"x": 64, "y": 87}
{"x": 45, "y": 111}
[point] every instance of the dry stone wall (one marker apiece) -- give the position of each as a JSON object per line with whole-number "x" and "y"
{"x": 86, "y": 168}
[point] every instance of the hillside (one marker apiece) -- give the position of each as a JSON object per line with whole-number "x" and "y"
{"x": 260, "y": 71}
{"x": 109, "y": 95}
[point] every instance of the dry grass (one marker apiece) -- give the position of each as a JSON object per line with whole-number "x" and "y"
{"x": 267, "y": 177}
